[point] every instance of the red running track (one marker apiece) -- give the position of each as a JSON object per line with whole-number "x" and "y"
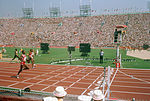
{"x": 77, "y": 80}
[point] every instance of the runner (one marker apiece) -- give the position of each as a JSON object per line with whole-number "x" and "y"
{"x": 16, "y": 55}
{"x": 23, "y": 66}
{"x": 20, "y": 50}
{"x": 31, "y": 57}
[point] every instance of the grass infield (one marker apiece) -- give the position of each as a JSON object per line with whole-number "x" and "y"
{"x": 60, "y": 56}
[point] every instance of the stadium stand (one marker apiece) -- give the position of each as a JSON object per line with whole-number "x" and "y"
{"x": 64, "y": 31}
{"x": 96, "y": 30}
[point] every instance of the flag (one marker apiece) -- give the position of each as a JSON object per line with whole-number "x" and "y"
{"x": 53, "y": 33}
{"x": 98, "y": 31}
{"x": 75, "y": 33}
{"x": 121, "y": 26}
{"x": 60, "y": 24}
{"x": 32, "y": 33}
{"x": 102, "y": 23}
{"x": 126, "y": 23}
{"x": 12, "y": 33}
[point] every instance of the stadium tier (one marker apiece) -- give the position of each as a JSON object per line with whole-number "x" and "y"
{"x": 64, "y": 31}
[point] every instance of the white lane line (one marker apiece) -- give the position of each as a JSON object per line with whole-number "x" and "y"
{"x": 43, "y": 75}
{"x": 128, "y": 78}
{"x": 131, "y": 92}
{"x": 61, "y": 73}
{"x": 129, "y": 82}
{"x": 38, "y": 68}
{"x": 12, "y": 67}
{"x": 61, "y": 79}
{"x": 138, "y": 73}
{"x": 33, "y": 78}
{"x": 81, "y": 78}
{"x": 131, "y": 76}
{"x": 134, "y": 69}
{"x": 24, "y": 82}
{"x": 7, "y": 80}
{"x": 15, "y": 73}
{"x": 131, "y": 86}
{"x": 93, "y": 83}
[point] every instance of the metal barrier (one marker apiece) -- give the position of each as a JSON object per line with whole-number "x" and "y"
{"x": 32, "y": 94}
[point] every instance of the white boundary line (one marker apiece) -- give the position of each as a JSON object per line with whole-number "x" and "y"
{"x": 130, "y": 86}
{"x": 58, "y": 80}
{"x": 7, "y": 80}
{"x": 33, "y": 78}
{"x": 19, "y": 82}
{"x": 131, "y": 92}
{"x": 64, "y": 78}
{"x": 134, "y": 69}
{"x": 129, "y": 82}
{"x": 42, "y": 79}
{"x": 78, "y": 78}
{"x": 82, "y": 77}
{"x": 14, "y": 73}
{"x": 93, "y": 82}
{"x": 134, "y": 77}
{"x": 49, "y": 77}
{"x": 131, "y": 77}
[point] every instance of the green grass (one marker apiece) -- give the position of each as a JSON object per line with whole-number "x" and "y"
{"x": 60, "y": 54}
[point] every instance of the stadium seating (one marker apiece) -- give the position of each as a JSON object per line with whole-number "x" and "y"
{"x": 32, "y": 32}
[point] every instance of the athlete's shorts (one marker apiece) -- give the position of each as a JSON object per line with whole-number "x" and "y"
{"x": 22, "y": 63}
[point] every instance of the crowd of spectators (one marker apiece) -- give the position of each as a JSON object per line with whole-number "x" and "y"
{"x": 64, "y": 31}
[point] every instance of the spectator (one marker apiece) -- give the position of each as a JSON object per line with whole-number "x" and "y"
{"x": 137, "y": 31}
